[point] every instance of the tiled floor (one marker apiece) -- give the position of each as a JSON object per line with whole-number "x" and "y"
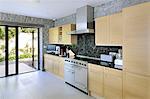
{"x": 37, "y": 85}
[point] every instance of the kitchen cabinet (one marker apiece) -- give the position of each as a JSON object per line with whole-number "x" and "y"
{"x": 109, "y": 30}
{"x": 66, "y": 38}
{"x": 54, "y": 64}
{"x": 136, "y": 86}
{"x": 48, "y": 63}
{"x": 102, "y": 30}
{"x": 53, "y": 35}
{"x": 113, "y": 83}
{"x": 59, "y": 35}
{"x": 116, "y": 29}
{"x": 136, "y": 43}
{"x": 61, "y": 67}
{"x": 96, "y": 80}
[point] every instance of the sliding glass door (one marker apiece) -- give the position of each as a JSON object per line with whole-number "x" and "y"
{"x": 12, "y": 50}
{"x": 2, "y": 51}
{"x": 28, "y": 49}
{"x": 18, "y": 50}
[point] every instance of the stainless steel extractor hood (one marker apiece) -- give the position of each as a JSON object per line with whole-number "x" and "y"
{"x": 84, "y": 20}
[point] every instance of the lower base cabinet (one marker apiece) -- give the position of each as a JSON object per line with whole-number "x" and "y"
{"x": 113, "y": 84}
{"x": 136, "y": 86}
{"x": 95, "y": 80}
{"x": 54, "y": 64}
{"x": 105, "y": 82}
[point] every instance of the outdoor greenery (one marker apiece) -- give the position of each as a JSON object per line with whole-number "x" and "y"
{"x": 26, "y": 52}
{"x": 2, "y": 35}
{"x": 28, "y": 30}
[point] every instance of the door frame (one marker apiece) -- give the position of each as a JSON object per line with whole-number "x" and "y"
{"x": 7, "y": 51}
{"x": 17, "y": 47}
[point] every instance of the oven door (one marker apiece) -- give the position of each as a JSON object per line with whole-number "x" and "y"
{"x": 81, "y": 78}
{"x": 69, "y": 76}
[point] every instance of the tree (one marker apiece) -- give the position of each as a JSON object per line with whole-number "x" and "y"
{"x": 2, "y": 35}
{"x": 12, "y": 33}
{"x": 28, "y": 30}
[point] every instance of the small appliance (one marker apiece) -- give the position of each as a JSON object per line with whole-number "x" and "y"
{"x": 57, "y": 52}
{"x": 107, "y": 60}
{"x": 51, "y": 49}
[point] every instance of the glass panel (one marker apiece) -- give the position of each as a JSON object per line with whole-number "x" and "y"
{"x": 2, "y": 51}
{"x": 12, "y": 50}
{"x": 25, "y": 49}
{"x": 36, "y": 49}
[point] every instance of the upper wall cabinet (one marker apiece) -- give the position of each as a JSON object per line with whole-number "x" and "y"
{"x": 109, "y": 30}
{"x": 116, "y": 29}
{"x": 53, "y": 35}
{"x": 136, "y": 50}
{"x": 102, "y": 30}
{"x": 59, "y": 35}
{"x": 68, "y": 39}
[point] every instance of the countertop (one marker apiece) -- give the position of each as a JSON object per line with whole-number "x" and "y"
{"x": 89, "y": 60}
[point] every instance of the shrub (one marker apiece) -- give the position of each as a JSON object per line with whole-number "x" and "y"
{"x": 28, "y": 55}
{"x": 2, "y": 58}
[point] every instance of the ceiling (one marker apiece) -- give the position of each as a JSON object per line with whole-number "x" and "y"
{"x": 49, "y": 9}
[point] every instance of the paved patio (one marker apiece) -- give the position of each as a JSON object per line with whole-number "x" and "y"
{"x": 23, "y": 68}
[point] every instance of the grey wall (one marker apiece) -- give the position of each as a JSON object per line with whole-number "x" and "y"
{"x": 115, "y": 6}
{"x": 66, "y": 20}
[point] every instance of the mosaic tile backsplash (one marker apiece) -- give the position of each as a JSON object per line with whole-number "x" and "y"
{"x": 86, "y": 46}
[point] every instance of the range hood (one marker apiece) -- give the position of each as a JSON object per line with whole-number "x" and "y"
{"x": 84, "y": 20}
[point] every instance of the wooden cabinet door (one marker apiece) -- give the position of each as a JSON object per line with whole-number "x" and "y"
{"x": 48, "y": 63}
{"x": 136, "y": 86}
{"x": 102, "y": 31}
{"x": 116, "y": 29}
{"x": 67, "y": 38}
{"x": 113, "y": 84}
{"x": 95, "y": 80}
{"x": 54, "y": 64}
{"x": 136, "y": 45}
{"x": 61, "y": 67}
{"x": 53, "y": 35}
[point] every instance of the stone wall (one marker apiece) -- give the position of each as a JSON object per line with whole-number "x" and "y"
{"x": 66, "y": 20}
{"x": 115, "y": 6}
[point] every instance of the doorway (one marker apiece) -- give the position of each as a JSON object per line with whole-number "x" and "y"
{"x": 19, "y": 50}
